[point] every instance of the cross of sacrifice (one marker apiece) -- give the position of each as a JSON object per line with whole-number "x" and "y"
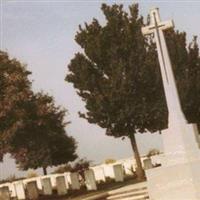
{"x": 173, "y": 103}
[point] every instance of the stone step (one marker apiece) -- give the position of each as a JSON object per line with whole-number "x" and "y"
{"x": 119, "y": 191}
{"x": 138, "y": 198}
{"x": 129, "y": 197}
{"x": 127, "y": 194}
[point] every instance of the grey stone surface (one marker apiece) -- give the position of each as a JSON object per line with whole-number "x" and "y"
{"x": 46, "y": 186}
{"x": 61, "y": 185}
{"x": 73, "y": 180}
{"x": 147, "y": 163}
{"x": 4, "y": 193}
{"x": 20, "y": 191}
{"x": 32, "y": 190}
{"x": 90, "y": 180}
{"x": 179, "y": 176}
{"x": 118, "y": 172}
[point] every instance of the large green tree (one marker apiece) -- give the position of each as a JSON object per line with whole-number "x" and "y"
{"x": 118, "y": 75}
{"x": 14, "y": 92}
{"x": 42, "y": 140}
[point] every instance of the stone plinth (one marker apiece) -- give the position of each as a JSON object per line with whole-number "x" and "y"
{"x": 32, "y": 190}
{"x": 178, "y": 182}
{"x": 4, "y": 193}
{"x": 90, "y": 180}
{"x": 118, "y": 173}
{"x": 46, "y": 186}
{"x": 61, "y": 185}
{"x": 20, "y": 192}
{"x": 179, "y": 176}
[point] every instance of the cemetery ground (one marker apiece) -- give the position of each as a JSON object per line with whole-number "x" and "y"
{"x": 104, "y": 181}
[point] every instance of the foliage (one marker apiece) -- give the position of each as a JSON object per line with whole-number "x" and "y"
{"x": 153, "y": 152}
{"x": 15, "y": 90}
{"x": 45, "y": 142}
{"x": 118, "y": 75}
{"x": 31, "y": 174}
{"x": 63, "y": 169}
{"x": 80, "y": 166}
{"x": 113, "y": 74}
{"x": 110, "y": 161}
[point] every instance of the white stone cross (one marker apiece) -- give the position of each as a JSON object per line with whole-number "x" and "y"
{"x": 175, "y": 114}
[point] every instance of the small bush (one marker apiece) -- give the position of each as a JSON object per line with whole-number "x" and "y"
{"x": 31, "y": 174}
{"x": 110, "y": 161}
{"x": 63, "y": 169}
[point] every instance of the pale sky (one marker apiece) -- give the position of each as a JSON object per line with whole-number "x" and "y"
{"x": 41, "y": 34}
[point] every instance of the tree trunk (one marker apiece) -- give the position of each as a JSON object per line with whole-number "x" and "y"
{"x": 139, "y": 170}
{"x": 44, "y": 170}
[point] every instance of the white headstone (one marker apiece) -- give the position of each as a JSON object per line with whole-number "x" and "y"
{"x": 147, "y": 163}
{"x": 19, "y": 188}
{"x": 118, "y": 172}
{"x": 157, "y": 159}
{"x": 179, "y": 176}
{"x": 108, "y": 170}
{"x": 90, "y": 180}
{"x": 4, "y": 193}
{"x": 129, "y": 166}
{"x": 37, "y": 179}
{"x": 11, "y": 189}
{"x": 61, "y": 185}
{"x": 73, "y": 180}
{"x": 46, "y": 186}
{"x": 32, "y": 190}
{"x": 99, "y": 174}
{"x": 52, "y": 178}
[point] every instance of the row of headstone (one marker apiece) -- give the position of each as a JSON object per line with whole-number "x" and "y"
{"x": 45, "y": 185}
{"x": 33, "y": 187}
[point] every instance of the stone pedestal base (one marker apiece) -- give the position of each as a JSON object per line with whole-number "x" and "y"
{"x": 179, "y": 176}
{"x": 178, "y": 182}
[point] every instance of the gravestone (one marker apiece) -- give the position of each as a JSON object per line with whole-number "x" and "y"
{"x": 19, "y": 188}
{"x": 147, "y": 163}
{"x": 73, "y": 180}
{"x": 52, "y": 179}
{"x": 46, "y": 186}
{"x": 108, "y": 171}
{"x": 99, "y": 174}
{"x": 37, "y": 179}
{"x": 61, "y": 185}
{"x": 157, "y": 159}
{"x": 129, "y": 166}
{"x": 118, "y": 172}
{"x": 32, "y": 190}
{"x": 4, "y": 193}
{"x": 11, "y": 189}
{"x": 179, "y": 176}
{"x": 90, "y": 180}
